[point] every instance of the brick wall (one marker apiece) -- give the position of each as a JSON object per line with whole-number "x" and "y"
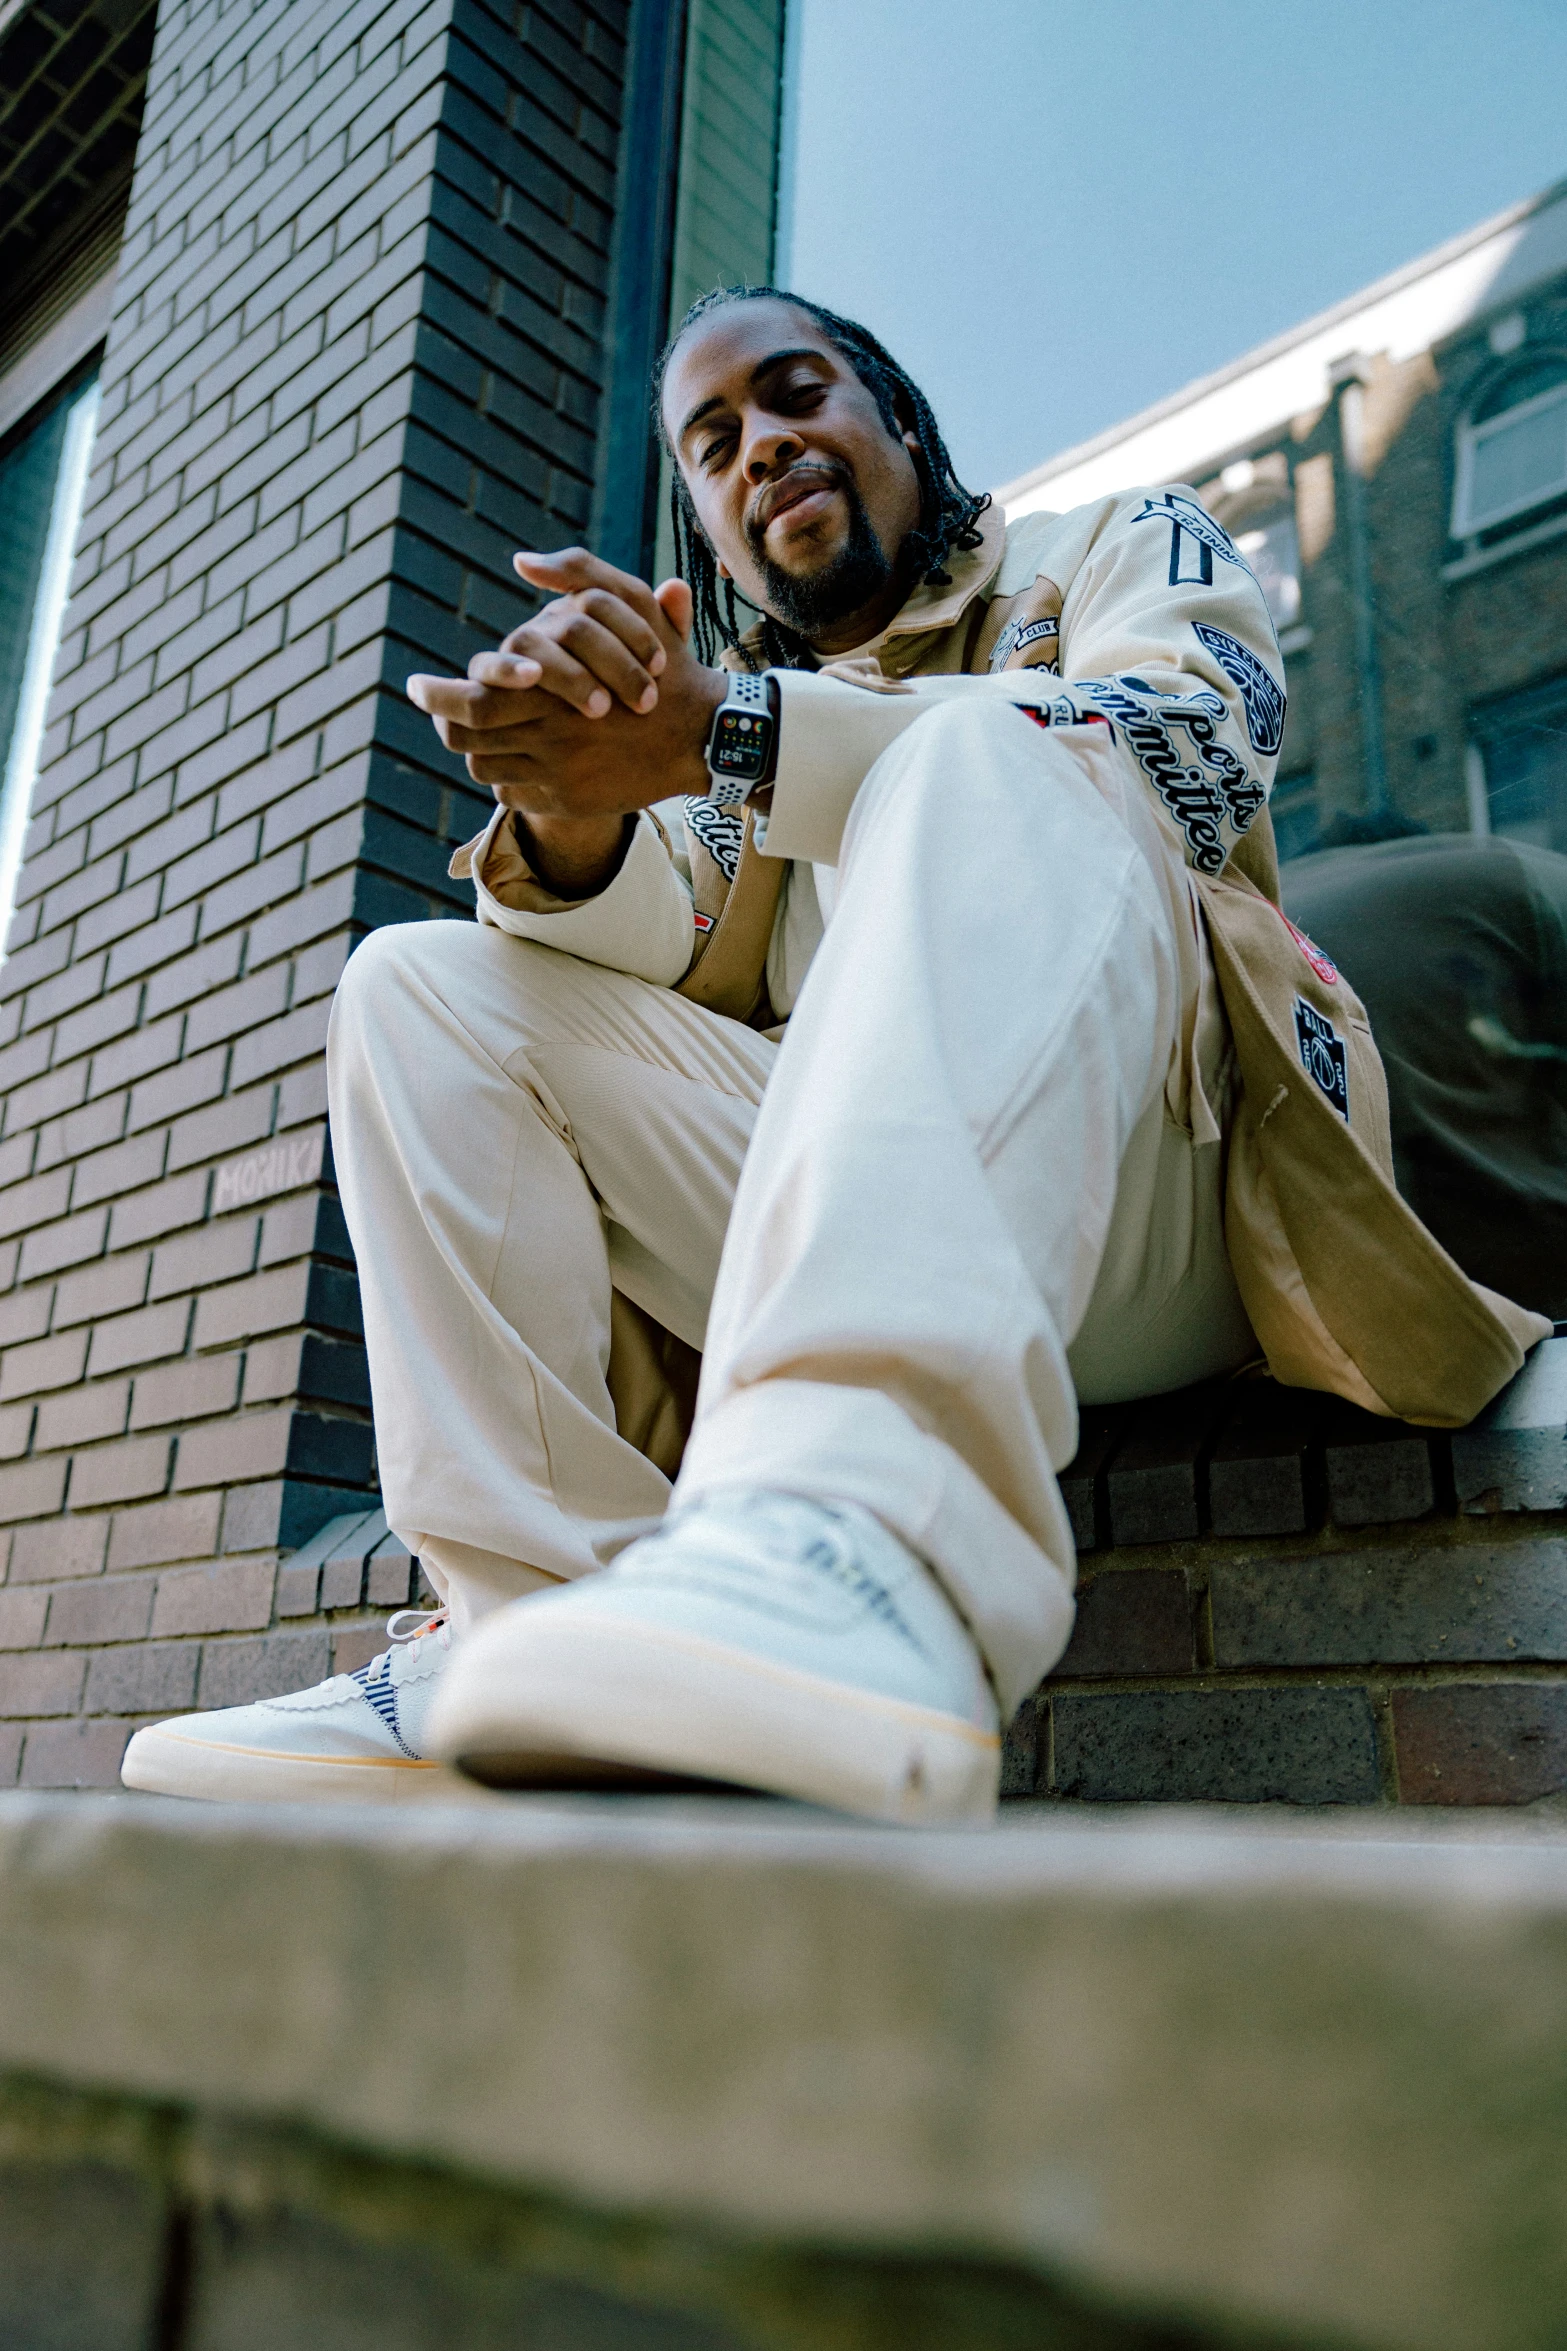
{"x": 355, "y": 359}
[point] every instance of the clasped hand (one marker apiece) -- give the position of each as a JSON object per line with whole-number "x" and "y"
{"x": 588, "y": 712}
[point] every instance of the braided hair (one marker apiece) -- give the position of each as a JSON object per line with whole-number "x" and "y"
{"x": 947, "y": 513}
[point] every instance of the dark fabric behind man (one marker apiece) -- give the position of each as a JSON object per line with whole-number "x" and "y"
{"x": 1458, "y": 946}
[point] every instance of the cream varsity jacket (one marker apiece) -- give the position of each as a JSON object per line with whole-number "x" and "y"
{"x": 1142, "y": 617}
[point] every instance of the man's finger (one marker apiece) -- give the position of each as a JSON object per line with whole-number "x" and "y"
{"x": 676, "y": 603}
{"x": 576, "y": 654}
{"x": 460, "y": 702}
{"x": 511, "y": 669}
{"x": 503, "y": 741}
{"x": 574, "y": 568}
{"x": 570, "y": 681}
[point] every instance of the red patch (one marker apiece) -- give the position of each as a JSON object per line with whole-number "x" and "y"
{"x": 1324, "y": 968}
{"x": 704, "y": 922}
{"x": 1042, "y": 718}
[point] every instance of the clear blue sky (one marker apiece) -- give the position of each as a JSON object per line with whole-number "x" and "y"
{"x": 1056, "y": 211}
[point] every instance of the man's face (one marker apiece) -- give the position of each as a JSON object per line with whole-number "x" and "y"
{"x": 805, "y": 497}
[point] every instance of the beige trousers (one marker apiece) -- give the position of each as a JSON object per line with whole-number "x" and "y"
{"x": 903, "y": 1240}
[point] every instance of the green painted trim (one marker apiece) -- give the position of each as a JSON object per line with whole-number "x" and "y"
{"x": 726, "y": 211}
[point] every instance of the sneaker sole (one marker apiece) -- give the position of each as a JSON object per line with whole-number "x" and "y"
{"x": 162, "y": 1763}
{"x": 596, "y": 1701}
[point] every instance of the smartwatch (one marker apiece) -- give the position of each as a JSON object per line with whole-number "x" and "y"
{"x": 742, "y": 747}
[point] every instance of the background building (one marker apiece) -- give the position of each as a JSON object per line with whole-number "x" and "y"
{"x": 308, "y": 317}
{"x": 1396, "y": 473}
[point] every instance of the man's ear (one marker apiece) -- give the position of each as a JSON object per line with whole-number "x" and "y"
{"x": 724, "y": 571}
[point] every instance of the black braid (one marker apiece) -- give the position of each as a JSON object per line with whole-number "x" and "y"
{"x": 948, "y": 512}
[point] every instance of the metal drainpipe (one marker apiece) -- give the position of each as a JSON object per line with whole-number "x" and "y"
{"x": 1349, "y": 377}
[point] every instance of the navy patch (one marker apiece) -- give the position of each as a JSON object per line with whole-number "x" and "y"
{"x": 1036, "y": 630}
{"x": 1017, "y": 636}
{"x": 1324, "y": 1056}
{"x": 721, "y": 832}
{"x": 1202, "y": 790}
{"x": 1259, "y": 689}
{"x": 1189, "y": 521}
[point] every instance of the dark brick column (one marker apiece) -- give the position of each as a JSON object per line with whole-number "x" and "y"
{"x": 355, "y": 360}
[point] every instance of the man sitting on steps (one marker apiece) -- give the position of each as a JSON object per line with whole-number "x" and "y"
{"x": 896, "y": 1013}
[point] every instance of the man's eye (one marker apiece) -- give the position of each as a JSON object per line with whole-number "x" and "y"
{"x": 715, "y": 451}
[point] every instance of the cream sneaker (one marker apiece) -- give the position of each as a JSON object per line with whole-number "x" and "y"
{"x": 359, "y": 1736}
{"x": 757, "y": 1640}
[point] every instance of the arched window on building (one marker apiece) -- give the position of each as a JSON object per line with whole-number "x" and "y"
{"x": 1256, "y": 504}
{"x": 1511, "y": 454}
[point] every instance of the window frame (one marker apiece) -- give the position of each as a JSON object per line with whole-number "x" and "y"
{"x": 1465, "y": 524}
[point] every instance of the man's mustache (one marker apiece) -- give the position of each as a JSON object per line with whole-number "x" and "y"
{"x": 786, "y": 489}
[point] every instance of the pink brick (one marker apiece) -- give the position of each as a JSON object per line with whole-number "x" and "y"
{"x": 272, "y": 1368}
{"x": 268, "y": 1302}
{"x": 81, "y": 1131}
{"x": 227, "y": 1126}
{"x": 160, "y": 1531}
{"x": 353, "y": 1645}
{"x": 44, "y": 1682}
{"x": 214, "y": 1253}
{"x": 81, "y": 1615}
{"x": 109, "y": 1287}
{"x": 289, "y": 1229}
{"x": 253, "y": 1446}
{"x": 228, "y": 1596}
{"x": 61, "y": 1547}
{"x": 124, "y": 1168}
{"x": 82, "y": 1415}
{"x": 189, "y": 1390}
{"x": 48, "y": 1363}
{"x": 125, "y": 1472}
{"x": 16, "y": 1429}
{"x": 179, "y": 1089}
{"x": 23, "y": 1206}
{"x": 74, "y": 1755}
{"x": 25, "y": 1315}
{"x": 22, "y": 1610}
{"x": 16, "y": 1159}
{"x": 163, "y": 1210}
{"x": 68, "y": 1243}
{"x": 47, "y": 1097}
{"x": 32, "y": 1489}
{"x": 142, "y": 1337}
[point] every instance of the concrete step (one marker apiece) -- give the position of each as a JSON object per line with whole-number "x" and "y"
{"x": 614, "y": 2074}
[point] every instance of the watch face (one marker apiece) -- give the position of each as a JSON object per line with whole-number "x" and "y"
{"x": 741, "y": 742}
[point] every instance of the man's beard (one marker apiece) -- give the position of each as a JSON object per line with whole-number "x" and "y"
{"x": 810, "y": 602}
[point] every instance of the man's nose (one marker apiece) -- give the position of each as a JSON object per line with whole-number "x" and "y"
{"x": 769, "y": 447}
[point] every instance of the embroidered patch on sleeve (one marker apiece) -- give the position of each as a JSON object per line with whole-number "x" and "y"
{"x": 1190, "y": 522}
{"x": 1061, "y": 714}
{"x": 1203, "y": 788}
{"x": 703, "y": 922}
{"x": 1325, "y": 969}
{"x": 1324, "y": 1056}
{"x": 1260, "y": 691}
{"x": 721, "y": 832}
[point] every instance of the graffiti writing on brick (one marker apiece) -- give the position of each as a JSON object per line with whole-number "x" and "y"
{"x": 278, "y": 1167}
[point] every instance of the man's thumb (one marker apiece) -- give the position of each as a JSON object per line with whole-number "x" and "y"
{"x": 674, "y": 600}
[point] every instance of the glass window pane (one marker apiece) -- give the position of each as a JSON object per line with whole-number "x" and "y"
{"x": 43, "y": 476}
{"x": 1518, "y": 462}
{"x": 1524, "y": 741}
{"x": 1273, "y": 551}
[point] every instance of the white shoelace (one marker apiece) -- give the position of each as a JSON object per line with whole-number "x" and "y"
{"x": 428, "y": 1624}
